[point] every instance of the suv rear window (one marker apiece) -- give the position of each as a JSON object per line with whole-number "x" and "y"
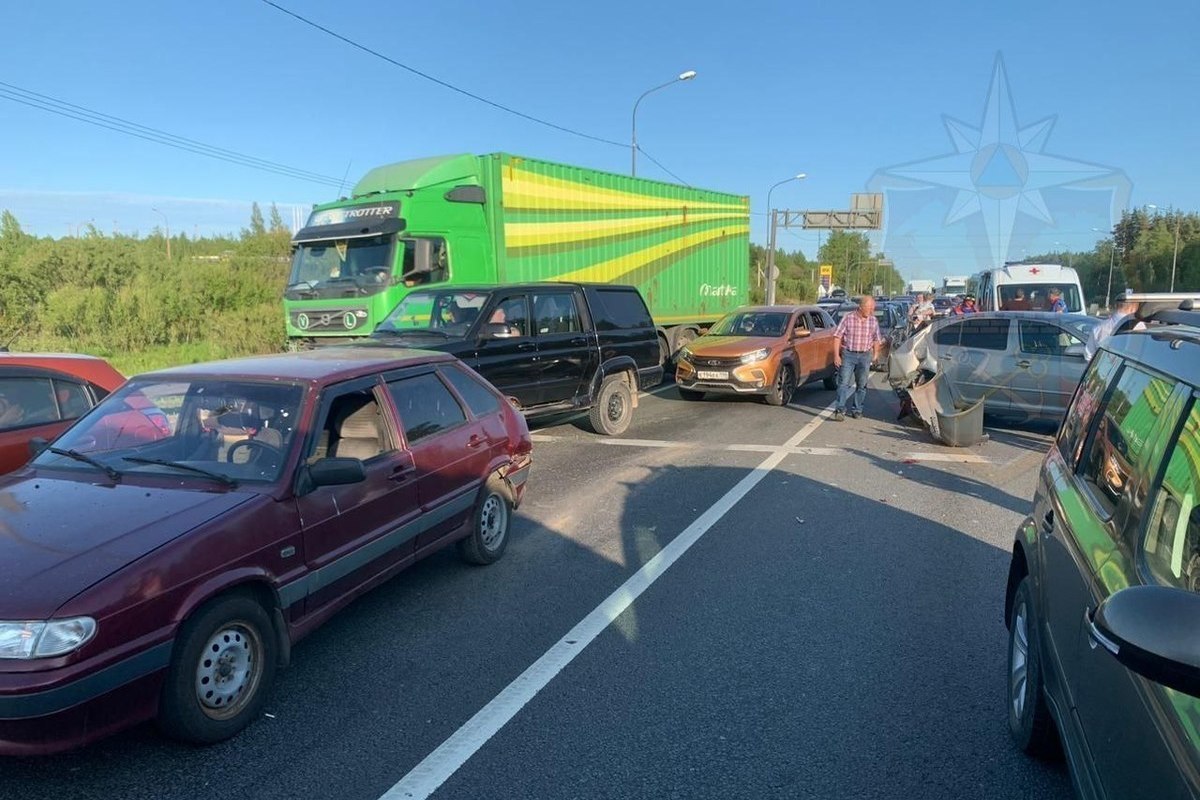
{"x": 619, "y": 309}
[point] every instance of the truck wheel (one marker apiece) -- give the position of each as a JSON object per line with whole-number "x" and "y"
{"x": 613, "y": 408}
{"x": 222, "y": 667}
{"x": 691, "y": 394}
{"x": 781, "y": 391}
{"x": 489, "y": 525}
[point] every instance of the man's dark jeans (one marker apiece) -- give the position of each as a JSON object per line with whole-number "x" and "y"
{"x": 856, "y": 368}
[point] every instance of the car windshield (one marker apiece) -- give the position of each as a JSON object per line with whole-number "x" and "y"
{"x": 239, "y": 431}
{"x": 752, "y": 323}
{"x": 1036, "y": 297}
{"x": 341, "y": 268}
{"x": 450, "y": 313}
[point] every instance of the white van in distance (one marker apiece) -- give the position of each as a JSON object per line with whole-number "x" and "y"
{"x": 1026, "y": 287}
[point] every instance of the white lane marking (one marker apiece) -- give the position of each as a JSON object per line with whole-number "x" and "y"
{"x": 437, "y": 767}
{"x": 728, "y": 448}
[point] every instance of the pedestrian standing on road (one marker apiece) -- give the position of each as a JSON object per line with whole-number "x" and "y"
{"x": 856, "y": 346}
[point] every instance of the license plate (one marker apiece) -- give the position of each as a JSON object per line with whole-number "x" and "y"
{"x": 711, "y": 375}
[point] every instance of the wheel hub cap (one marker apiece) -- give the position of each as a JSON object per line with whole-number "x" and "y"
{"x": 1019, "y": 659}
{"x": 228, "y": 670}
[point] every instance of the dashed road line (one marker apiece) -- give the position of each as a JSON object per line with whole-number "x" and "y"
{"x": 437, "y": 767}
{"x": 956, "y": 458}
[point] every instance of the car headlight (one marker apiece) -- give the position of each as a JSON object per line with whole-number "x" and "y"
{"x": 55, "y": 637}
{"x": 685, "y": 353}
{"x": 757, "y": 355}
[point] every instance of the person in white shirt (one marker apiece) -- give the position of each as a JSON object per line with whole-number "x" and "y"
{"x": 922, "y": 312}
{"x": 1121, "y": 314}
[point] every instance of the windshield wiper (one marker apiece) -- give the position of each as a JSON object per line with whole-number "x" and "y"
{"x": 108, "y": 470}
{"x": 162, "y": 462}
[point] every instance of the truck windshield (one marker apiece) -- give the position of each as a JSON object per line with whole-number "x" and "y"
{"x": 342, "y": 267}
{"x": 450, "y": 313}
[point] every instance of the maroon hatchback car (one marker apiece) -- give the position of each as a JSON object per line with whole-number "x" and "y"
{"x": 163, "y": 555}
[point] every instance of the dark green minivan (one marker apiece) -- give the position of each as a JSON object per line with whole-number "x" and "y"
{"x": 1103, "y": 595}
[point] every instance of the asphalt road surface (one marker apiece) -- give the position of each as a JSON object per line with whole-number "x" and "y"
{"x": 732, "y": 600}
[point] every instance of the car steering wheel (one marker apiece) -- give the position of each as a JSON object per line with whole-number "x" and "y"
{"x": 252, "y": 443}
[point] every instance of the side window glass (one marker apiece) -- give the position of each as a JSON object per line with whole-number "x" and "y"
{"x": 425, "y": 405}
{"x": 1118, "y": 441}
{"x": 514, "y": 313}
{"x": 1088, "y": 397}
{"x": 985, "y": 334}
{"x": 1040, "y": 338}
{"x": 948, "y": 336}
{"x": 25, "y": 402}
{"x": 818, "y": 322}
{"x": 353, "y": 428}
{"x": 620, "y": 309}
{"x": 555, "y": 313}
{"x": 1172, "y": 544}
{"x": 73, "y": 400}
{"x": 478, "y": 398}
{"x": 802, "y": 322}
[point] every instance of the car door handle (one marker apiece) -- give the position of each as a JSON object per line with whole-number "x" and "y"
{"x": 1048, "y": 522}
{"x": 1024, "y": 364}
{"x": 578, "y": 342}
{"x": 402, "y": 473}
{"x": 476, "y": 441}
{"x": 526, "y": 346}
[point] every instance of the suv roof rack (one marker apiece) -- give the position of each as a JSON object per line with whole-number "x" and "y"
{"x": 1165, "y": 308}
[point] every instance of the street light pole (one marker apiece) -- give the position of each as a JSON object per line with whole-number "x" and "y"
{"x": 167, "y": 225}
{"x": 633, "y": 146}
{"x": 771, "y": 276}
{"x": 1112, "y": 254}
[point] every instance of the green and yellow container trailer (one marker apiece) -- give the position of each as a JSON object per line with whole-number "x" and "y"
{"x": 501, "y": 218}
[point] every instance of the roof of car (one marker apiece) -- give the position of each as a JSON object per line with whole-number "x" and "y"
{"x": 89, "y": 368}
{"x": 325, "y": 365}
{"x": 780, "y": 308}
{"x": 1171, "y": 349}
{"x": 1044, "y": 316}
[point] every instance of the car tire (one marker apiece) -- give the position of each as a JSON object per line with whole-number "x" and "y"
{"x": 781, "y": 390}
{"x": 612, "y": 410}
{"x": 690, "y": 394}
{"x": 222, "y": 668}
{"x": 490, "y": 524}
{"x": 832, "y": 380}
{"x": 1029, "y": 721}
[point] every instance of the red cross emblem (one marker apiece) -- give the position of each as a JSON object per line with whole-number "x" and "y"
{"x": 1034, "y": 270}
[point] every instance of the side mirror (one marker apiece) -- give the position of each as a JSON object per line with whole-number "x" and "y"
{"x": 801, "y": 333}
{"x": 336, "y": 472}
{"x": 1152, "y": 631}
{"x": 36, "y": 445}
{"x": 495, "y": 330}
{"x": 422, "y": 257}
{"x": 1073, "y": 351}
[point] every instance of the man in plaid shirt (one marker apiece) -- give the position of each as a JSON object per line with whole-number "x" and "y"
{"x": 858, "y": 341}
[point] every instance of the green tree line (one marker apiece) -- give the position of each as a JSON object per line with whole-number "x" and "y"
{"x": 122, "y": 298}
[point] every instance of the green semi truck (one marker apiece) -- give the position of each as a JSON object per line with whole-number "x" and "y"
{"x": 500, "y": 218}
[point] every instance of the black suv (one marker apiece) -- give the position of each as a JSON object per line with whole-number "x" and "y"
{"x": 1103, "y": 599}
{"x": 550, "y": 347}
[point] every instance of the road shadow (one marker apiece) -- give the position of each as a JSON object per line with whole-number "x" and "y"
{"x": 945, "y": 480}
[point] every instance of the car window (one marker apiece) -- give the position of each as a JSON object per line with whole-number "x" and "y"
{"x": 555, "y": 312}
{"x": 513, "y": 312}
{"x": 73, "y": 399}
{"x": 1118, "y": 440}
{"x": 984, "y": 334}
{"x": 1044, "y": 339}
{"x": 425, "y": 405}
{"x": 1172, "y": 544}
{"x": 620, "y": 309}
{"x": 353, "y": 427}
{"x": 478, "y": 398}
{"x": 802, "y": 322}
{"x": 1089, "y": 395}
{"x": 818, "y": 320}
{"x": 25, "y": 402}
{"x": 948, "y": 335}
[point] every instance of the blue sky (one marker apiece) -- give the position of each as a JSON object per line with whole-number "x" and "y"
{"x": 845, "y": 92}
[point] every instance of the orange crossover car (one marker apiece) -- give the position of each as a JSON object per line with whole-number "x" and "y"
{"x": 761, "y": 350}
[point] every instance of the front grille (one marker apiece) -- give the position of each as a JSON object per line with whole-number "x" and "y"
{"x": 705, "y": 362}
{"x": 330, "y": 319}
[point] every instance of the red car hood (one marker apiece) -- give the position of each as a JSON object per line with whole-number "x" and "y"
{"x": 59, "y": 536}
